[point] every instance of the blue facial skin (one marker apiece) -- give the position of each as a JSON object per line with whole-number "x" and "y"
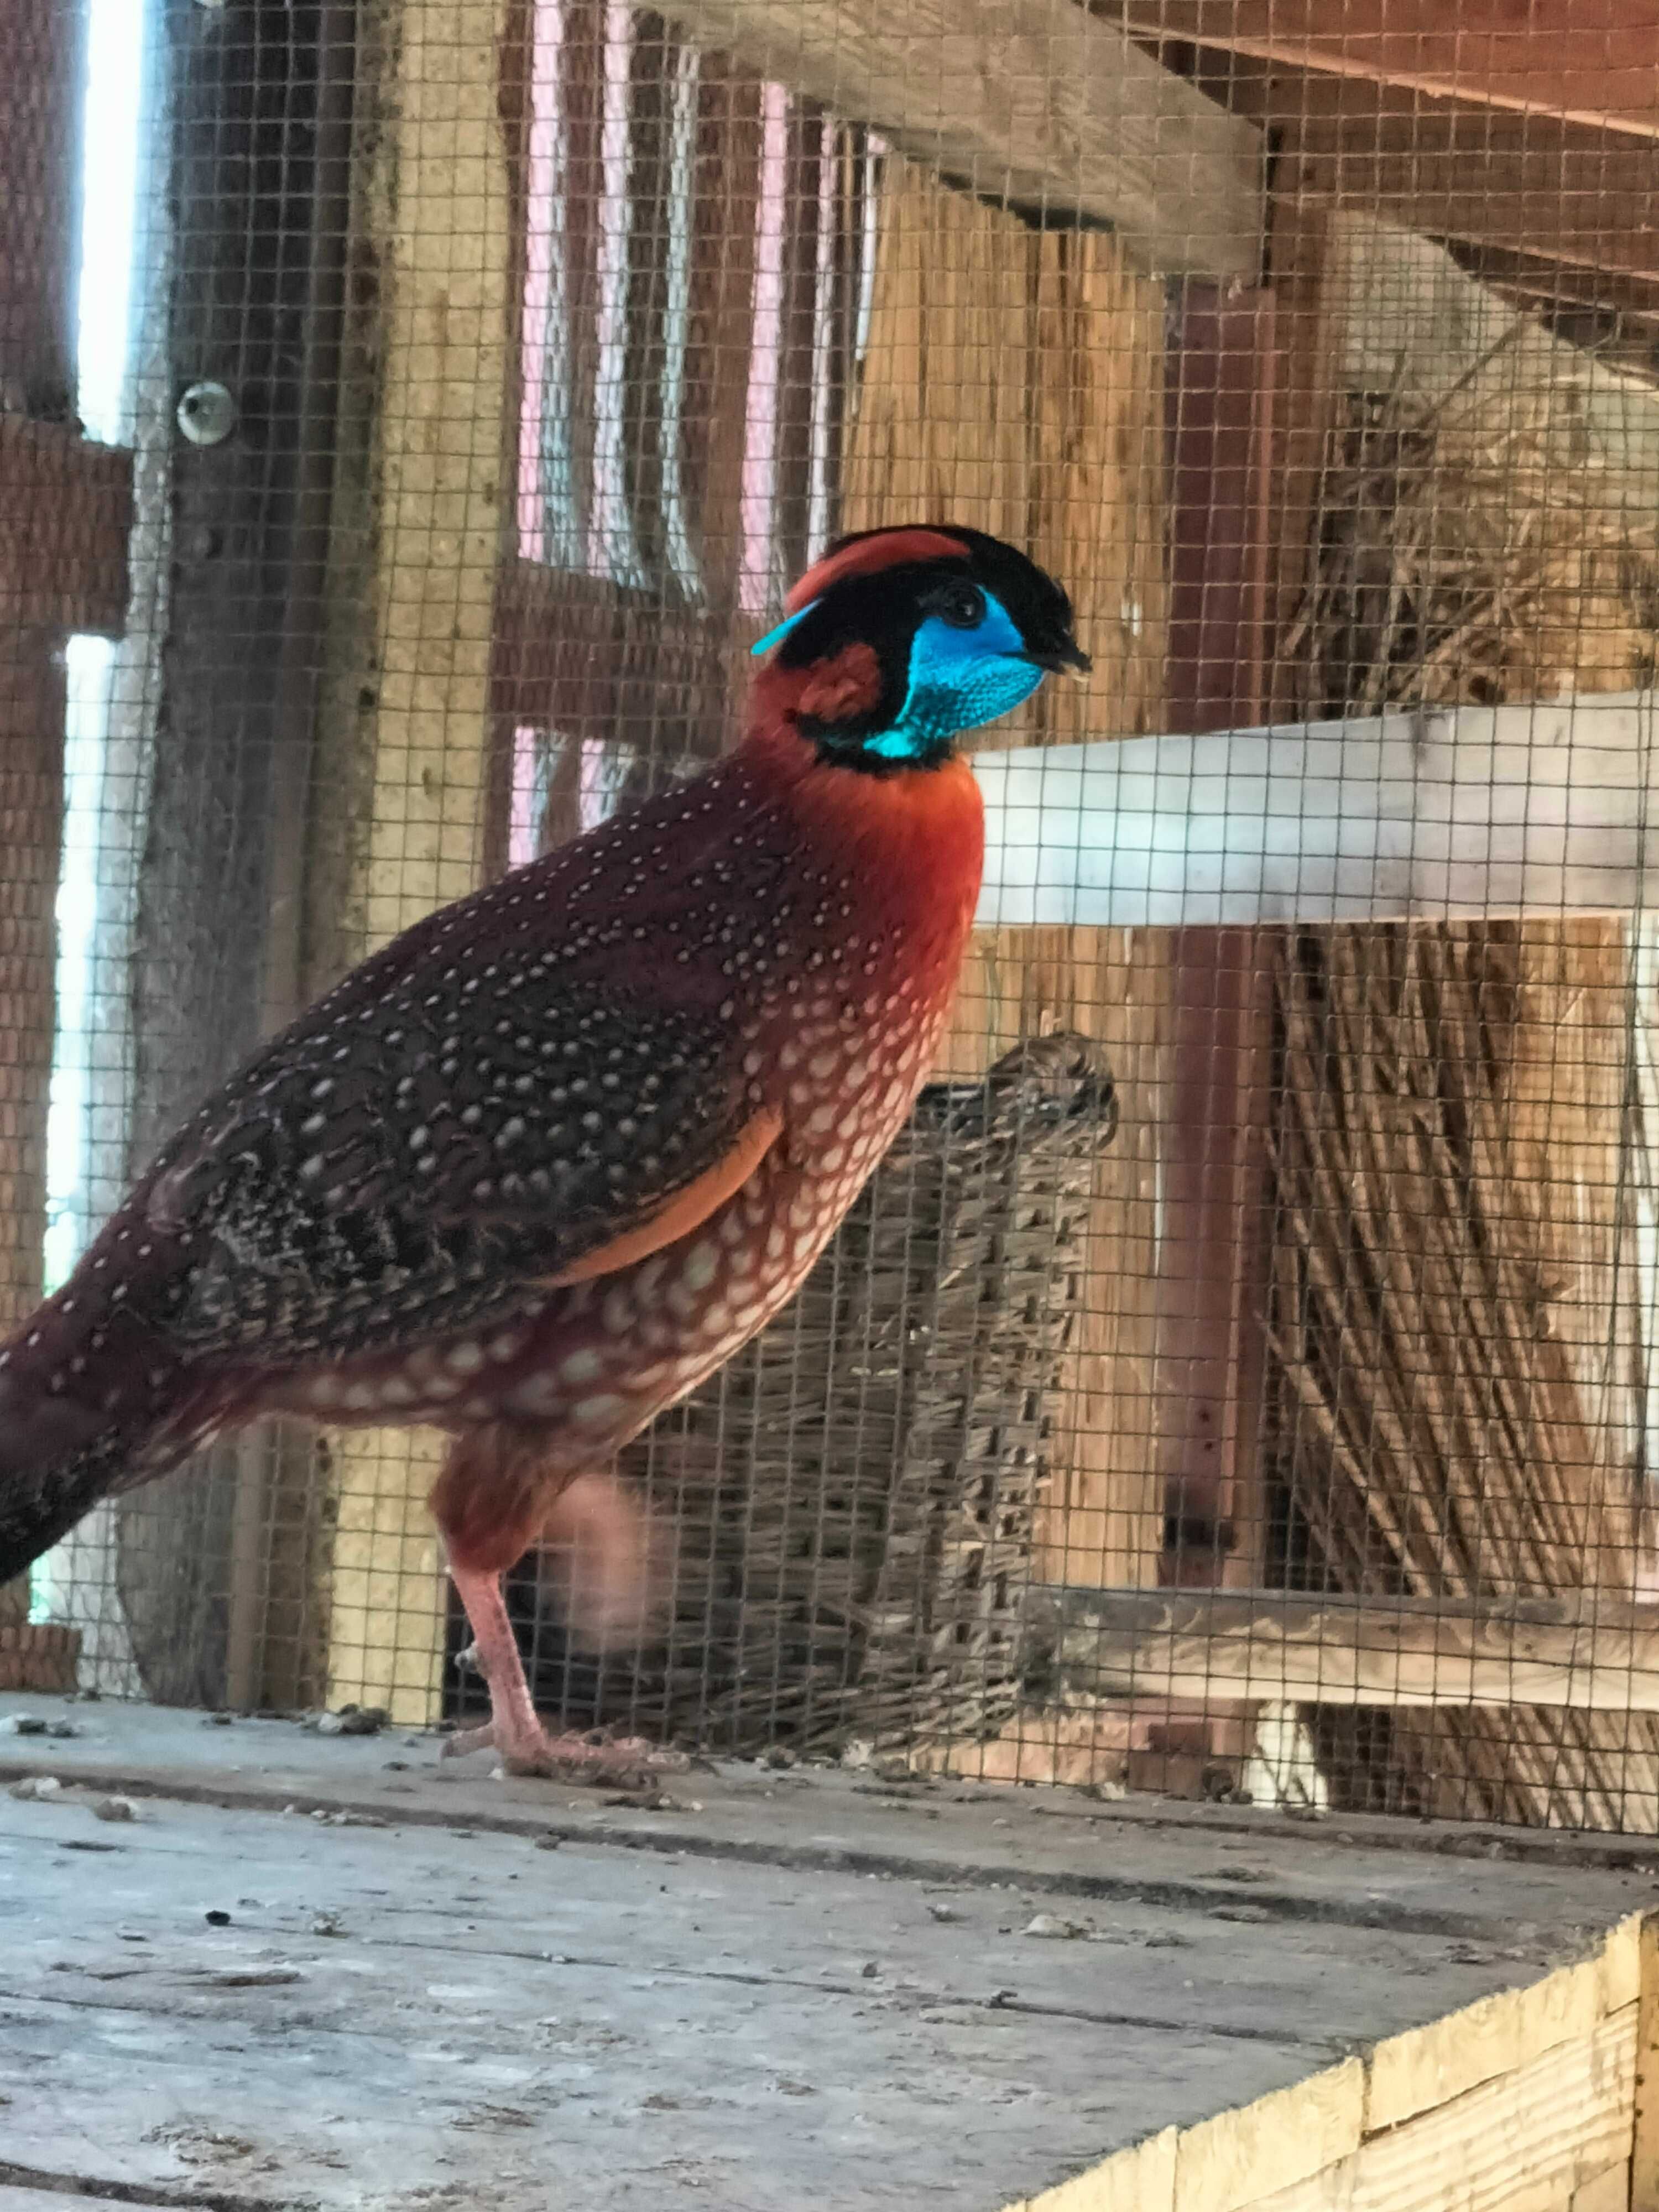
{"x": 960, "y": 679}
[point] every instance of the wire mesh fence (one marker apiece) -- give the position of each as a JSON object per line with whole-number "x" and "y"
{"x": 1236, "y": 1379}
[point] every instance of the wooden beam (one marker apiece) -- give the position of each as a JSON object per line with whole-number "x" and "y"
{"x": 407, "y": 689}
{"x": 1477, "y": 811}
{"x": 65, "y": 514}
{"x": 1593, "y": 61}
{"x": 1587, "y": 1655}
{"x": 1558, "y": 193}
{"x": 1031, "y": 104}
{"x": 589, "y": 658}
{"x": 1222, "y": 360}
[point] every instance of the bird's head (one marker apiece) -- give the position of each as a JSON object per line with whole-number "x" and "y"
{"x": 898, "y": 641}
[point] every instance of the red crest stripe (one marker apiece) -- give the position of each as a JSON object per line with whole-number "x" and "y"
{"x": 885, "y": 549}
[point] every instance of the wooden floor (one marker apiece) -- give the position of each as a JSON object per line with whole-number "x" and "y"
{"x": 324, "y": 1971}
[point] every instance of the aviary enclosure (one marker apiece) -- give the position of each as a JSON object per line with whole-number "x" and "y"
{"x": 1238, "y": 1382}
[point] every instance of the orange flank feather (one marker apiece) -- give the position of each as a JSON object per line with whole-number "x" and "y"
{"x": 683, "y": 1213}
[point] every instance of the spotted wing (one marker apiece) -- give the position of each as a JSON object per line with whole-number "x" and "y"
{"x": 391, "y": 1173}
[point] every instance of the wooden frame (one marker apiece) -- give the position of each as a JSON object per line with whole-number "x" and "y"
{"x": 1278, "y": 1647}
{"x": 1033, "y": 104}
{"x": 1467, "y": 810}
{"x": 1593, "y": 61}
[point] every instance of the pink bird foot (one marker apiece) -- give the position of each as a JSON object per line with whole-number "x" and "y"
{"x": 620, "y": 1763}
{"x": 513, "y": 1729}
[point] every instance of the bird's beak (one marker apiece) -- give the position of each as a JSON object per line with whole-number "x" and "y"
{"x": 1068, "y": 654}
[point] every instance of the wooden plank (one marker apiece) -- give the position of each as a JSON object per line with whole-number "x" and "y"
{"x": 411, "y": 665}
{"x": 1522, "y": 2096}
{"x": 65, "y": 514}
{"x": 1607, "y": 303}
{"x": 37, "y": 1657}
{"x": 1562, "y": 194}
{"x": 1428, "y": 2067}
{"x": 42, "y": 60}
{"x": 1031, "y": 104}
{"x": 1242, "y": 2158}
{"x": 1532, "y": 2139}
{"x": 1644, "y": 2151}
{"x": 1459, "y": 810}
{"x": 591, "y": 660}
{"x": 1592, "y": 61}
{"x": 1284, "y": 1647}
{"x": 1221, "y": 392}
{"x": 1555, "y": 191}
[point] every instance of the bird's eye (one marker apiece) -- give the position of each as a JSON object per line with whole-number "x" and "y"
{"x": 962, "y": 605}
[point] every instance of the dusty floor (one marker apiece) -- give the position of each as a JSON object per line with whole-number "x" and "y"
{"x": 325, "y": 1971}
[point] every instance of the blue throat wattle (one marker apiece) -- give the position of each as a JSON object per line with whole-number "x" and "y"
{"x": 960, "y": 679}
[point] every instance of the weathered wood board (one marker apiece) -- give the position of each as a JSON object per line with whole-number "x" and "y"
{"x": 778, "y": 1988}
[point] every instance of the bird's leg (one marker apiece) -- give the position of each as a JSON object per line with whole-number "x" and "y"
{"x": 513, "y": 1729}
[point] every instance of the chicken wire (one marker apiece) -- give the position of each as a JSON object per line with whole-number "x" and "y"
{"x": 486, "y": 374}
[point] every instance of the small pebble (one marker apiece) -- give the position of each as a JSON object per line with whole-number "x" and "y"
{"x": 327, "y": 1923}
{"x": 946, "y": 1912}
{"x": 27, "y": 1724}
{"x": 115, "y": 1809}
{"x": 38, "y": 1786}
{"x": 217, "y": 1917}
{"x": 870, "y": 1970}
{"x": 353, "y": 1720}
{"x": 1052, "y": 1925}
{"x": 549, "y": 1842}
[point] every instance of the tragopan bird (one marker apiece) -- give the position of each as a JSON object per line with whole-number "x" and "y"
{"x": 538, "y": 1167}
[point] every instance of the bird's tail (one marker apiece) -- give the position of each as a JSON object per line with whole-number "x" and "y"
{"x": 88, "y": 1391}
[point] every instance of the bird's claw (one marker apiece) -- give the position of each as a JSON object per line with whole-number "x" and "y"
{"x": 616, "y": 1763}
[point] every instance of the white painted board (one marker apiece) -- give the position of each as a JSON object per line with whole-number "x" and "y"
{"x": 1467, "y": 810}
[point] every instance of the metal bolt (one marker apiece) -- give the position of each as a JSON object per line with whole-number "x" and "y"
{"x": 207, "y": 414}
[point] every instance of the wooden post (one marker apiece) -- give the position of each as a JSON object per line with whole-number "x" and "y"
{"x": 1211, "y": 1262}
{"x": 1645, "y": 2150}
{"x": 408, "y": 684}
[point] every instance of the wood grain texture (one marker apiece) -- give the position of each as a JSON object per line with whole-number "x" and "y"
{"x": 434, "y": 185}
{"x": 1520, "y": 2102}
{"x": 1339, "y": 1650}
{"x": 36, "y": 1657}
{"x": 1529, "y": 2141}
{"x": 1030, "y": 103}
{"x": 65, "y": 512}
{"x": 1565, "y": 194}
{"x": 1018, "y": 378}
{"x": 1590, "y": 60}
{"x": 1645, "y": 2150}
